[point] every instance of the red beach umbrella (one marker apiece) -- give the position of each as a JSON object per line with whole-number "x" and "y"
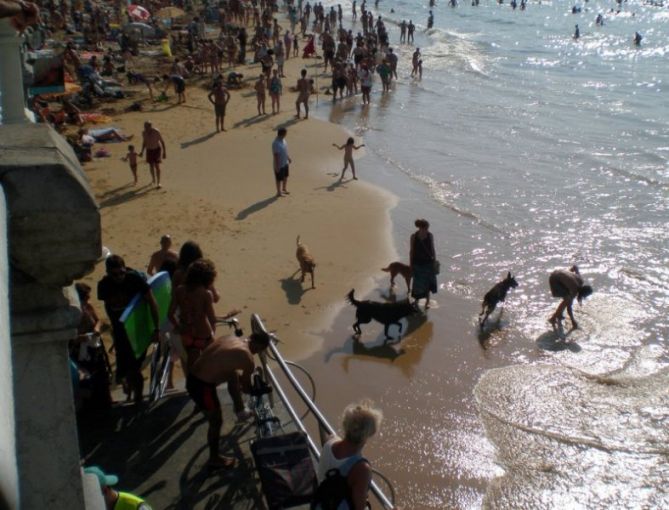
{"x": 138, "y": 12}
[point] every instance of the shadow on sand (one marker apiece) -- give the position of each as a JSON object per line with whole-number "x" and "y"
{"x": 198, "y": 140}
{"x": 294, "y": 288}
{"x": 125, "y": 193}
{"x": 254, "y": 208}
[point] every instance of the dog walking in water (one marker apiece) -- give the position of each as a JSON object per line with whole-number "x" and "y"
{"x": 306, "y": 260}
{"x": 385, "y": 313}
{"x": 395, "y": 268}
{"x": 495, "y": 295}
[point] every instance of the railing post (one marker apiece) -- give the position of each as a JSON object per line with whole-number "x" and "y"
{"x": 12, "y": 97}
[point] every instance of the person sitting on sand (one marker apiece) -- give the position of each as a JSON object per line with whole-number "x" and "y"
{"x": 567, "y": 285}
{"x": 348, "y": 148}
{"x": 309, "y": 49}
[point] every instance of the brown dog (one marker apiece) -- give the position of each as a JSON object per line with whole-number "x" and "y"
{"x": 395, "y": 268}
{"x": 306, "y": 260}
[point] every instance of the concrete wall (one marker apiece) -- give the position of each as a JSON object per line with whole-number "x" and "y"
{"x": 54, "y": 238}
{"x": 9, "y": 482}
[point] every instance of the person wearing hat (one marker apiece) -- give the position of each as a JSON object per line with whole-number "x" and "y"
{"x": 115, "y": 500}
{"x": 160, "y": 257}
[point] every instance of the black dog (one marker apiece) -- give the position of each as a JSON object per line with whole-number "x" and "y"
{"x": 495, "y": 295}
{"x": 385, "y": 313}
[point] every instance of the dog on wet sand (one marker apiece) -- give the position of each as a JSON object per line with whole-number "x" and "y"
{"x": 495, "y": 295}
{"x": 385, "y": 313}
{"x": 306, "y": 260}
{"x": 395, "y": 268}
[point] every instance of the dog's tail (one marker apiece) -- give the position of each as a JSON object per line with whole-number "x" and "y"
{"x": 386, "y": 269}
{"x": 297, "y": 241}
{"x": 351, "y": 298}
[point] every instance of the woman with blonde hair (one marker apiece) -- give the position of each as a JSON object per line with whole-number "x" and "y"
{"x": 359, "y": 423}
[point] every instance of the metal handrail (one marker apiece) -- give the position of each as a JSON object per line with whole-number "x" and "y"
{"x": 322, "y": 421}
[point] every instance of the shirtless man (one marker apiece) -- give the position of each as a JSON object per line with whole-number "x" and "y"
{"x": 228, "y": 359}
{"x": 152, "y": 141}
{"x": 261, "y": 93}
{"x": 415, "y": 59}
{"x": 165, "y": 254}
{"x": 304, "y": 89}
{"x": 219, "y": 97}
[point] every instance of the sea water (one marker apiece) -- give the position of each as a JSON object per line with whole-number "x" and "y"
{"x": 527, "y": 150}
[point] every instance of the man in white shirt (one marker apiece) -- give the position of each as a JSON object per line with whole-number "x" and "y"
{"x": 281, "y": 162}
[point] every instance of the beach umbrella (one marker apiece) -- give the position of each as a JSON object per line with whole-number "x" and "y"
{"x": 170, "y": 12}
{"x": 138, "y": 12}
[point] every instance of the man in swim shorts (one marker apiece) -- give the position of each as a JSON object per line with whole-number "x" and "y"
{"x": 304, "y": 88}
{"x": 230, "y": 360}
{"x": 153, "y": 141}
{"x": 219, "y": 97}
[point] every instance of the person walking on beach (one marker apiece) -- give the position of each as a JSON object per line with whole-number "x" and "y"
{"x": 567, "y": 285}
{"x": 165, "y": 254}
{"x": 281, "y": 162}
{"x": 116, "y": 289}
{"x": 261, "y": 93}
{"x": 348, "y": 148}
{"x": 422, "y": 258}
{"x": 219, "y": 97}
{"x": 224, "y": 360}
{"x": 131, "y": 158}
{"x": 304, "y": 89}
{"x": 360, "y": 422}
{"x": 153, "y": 141}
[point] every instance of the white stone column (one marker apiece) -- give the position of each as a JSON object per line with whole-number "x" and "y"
{"x": 11, "y": 75}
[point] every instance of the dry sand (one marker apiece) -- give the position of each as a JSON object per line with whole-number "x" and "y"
{"x": 218, "y": 189}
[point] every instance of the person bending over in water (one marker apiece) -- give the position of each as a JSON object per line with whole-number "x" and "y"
{"x": 348, "y": 148}
{"x": 567, "y": 285}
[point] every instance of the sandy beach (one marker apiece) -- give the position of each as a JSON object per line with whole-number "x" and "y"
{"x": 218, "y": 190}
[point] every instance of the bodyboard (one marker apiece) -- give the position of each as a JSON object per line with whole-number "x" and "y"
{"x": 136, "y": 317}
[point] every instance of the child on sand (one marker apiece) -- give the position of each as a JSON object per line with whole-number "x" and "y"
{"x": 131, "y": 157}
{"x": 349, "y": 147}
{"x": 261, "y": 94}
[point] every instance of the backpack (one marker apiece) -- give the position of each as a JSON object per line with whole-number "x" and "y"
{"x": 334, "y": 489}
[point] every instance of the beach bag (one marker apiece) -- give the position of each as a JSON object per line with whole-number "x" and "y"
{"x": 334, "y": 489}
{"x": 286, "y": 469}
{"x": 436, "y": 267}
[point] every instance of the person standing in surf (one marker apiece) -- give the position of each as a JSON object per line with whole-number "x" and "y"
{"x": 422, "y": 257}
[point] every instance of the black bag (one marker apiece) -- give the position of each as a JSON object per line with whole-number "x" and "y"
{"x": 334, "y": 489}
{"x": 286, "y": 469}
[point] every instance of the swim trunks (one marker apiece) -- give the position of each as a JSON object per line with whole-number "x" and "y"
{"x": 219, "y": 109}
{"x": 203, "y": 394}
{"x": 153, "y": 155}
